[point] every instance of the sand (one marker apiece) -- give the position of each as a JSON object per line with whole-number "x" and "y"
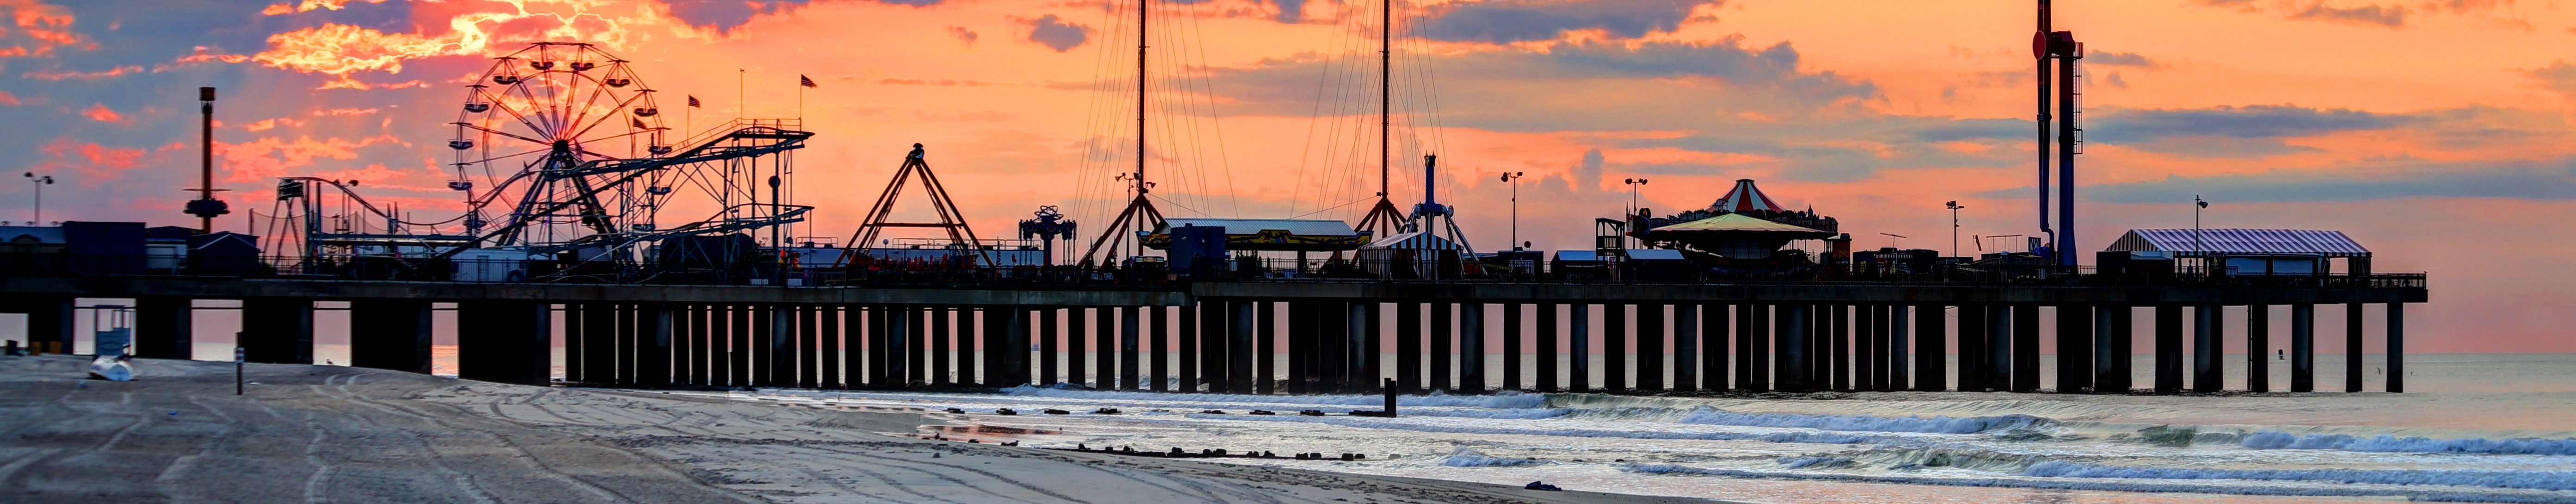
{"x": 336, "y": 434}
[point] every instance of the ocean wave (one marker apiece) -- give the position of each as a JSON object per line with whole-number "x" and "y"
{"x": 2523, "y": 496}
{"x": 1863, "y": 423}
{"x": 1374, "y": 423}
{"x": 1469, "y": 457}
{"x": 2533, "y": 480}
{"x": 2275, "y": 440}
{"x": 1500, "y": 400}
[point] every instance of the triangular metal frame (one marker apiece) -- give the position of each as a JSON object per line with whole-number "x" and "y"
{"x": 1139, "y": 212}
{"x": 1383, "y": 220}
{"x": 950, "y": 218}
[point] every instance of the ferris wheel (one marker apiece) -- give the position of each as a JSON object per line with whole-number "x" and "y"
{"x": 533, "y": 132}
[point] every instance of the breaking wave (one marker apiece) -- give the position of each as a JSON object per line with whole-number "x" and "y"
{"x": 1499, "y": 400}
{"x": 2275, "y": 440}
{"x": 2534, "y": 480}
{"x": 1469, "y": 457}
{"x": 1863, "y": 423}
{"x": 2211, "y": 485}
{"x": 1373, "y": 423}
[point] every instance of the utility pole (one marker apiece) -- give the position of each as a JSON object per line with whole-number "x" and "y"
{"x": 1515, "y": 179}
{"x": 2196, "y": 205}
{"x": 1954, "y": 227}
{"x": 1632, "y": 193}
{"x": 40, "y": 182}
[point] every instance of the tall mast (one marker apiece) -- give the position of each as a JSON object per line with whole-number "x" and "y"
{"x": 1384, "y": 218}
{"x": 1140, "y": 97}
{"x": 1140, "y": 212}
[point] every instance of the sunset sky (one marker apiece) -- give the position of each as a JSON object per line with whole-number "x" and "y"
{"x": 2437, "y": 133}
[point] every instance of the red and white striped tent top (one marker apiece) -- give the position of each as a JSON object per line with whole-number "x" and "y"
{"x": 1746, "y": 198}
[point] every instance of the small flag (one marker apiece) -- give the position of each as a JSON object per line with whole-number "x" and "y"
{"x": 693, "y": 100}
{"x": 802, "y": 80}
{"x": 639, "y": 124}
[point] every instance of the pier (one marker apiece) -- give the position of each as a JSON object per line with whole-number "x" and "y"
{"x": 1218, "y": 336}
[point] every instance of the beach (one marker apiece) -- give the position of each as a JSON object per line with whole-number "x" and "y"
{"x": 317, "y": 434}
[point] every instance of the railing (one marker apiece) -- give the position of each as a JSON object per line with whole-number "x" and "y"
{"x": 1145, "y": 274}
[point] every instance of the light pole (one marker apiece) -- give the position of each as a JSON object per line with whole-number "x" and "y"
{"x": 1632, "y": 193}
{"x": 40, "y": 182}
{"x": 1515, "y": 179}
{"x": 1954, "y": 227}
{"x": 2196, "y": 205}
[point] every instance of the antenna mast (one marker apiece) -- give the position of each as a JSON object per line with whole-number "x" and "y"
{"x": 1384, "y": 219}
{"x": 1140, "y": 212}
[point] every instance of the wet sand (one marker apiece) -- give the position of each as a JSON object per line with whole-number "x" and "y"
{"x": 336, "y": 434}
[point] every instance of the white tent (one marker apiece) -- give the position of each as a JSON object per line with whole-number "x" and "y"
{"x": 1413, "y": 255}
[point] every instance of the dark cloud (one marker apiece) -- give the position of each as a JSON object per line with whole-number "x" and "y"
{"x": 963, "y": 34}
{"x": 2393, "y": 16}
{"x": 2215, "y": 146}
{"x": 2548, "y": 180}
{"x": 2558, "y": 76}
{"x": 2116, "y": 125}
{"x": 2120, "y": 59}
{"x": 1501, "y": 21}
{"x": 1290, "y": 11}
{"x": 1057, "y": 35}
{"x": 725, "y": 15}
{"x": 1663, "y": 85}
{"x": 1587, "y": 176}
{"x": 1976, "y": 129}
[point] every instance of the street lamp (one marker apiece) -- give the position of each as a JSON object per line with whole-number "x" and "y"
{"x": 1954, "y": 227}
{"x": 1515, "y": 179}
{"x": 1632, "y": 194}
{"x": 2196, "y": 205}
{"x": 40, "y": 182}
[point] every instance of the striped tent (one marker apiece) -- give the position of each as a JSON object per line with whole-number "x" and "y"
{"x": 1745, "y": 198}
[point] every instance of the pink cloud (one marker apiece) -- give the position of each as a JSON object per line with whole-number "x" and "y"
{"x": 99, "y": 112}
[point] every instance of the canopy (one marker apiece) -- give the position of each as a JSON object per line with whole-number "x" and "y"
{"x": 1745, "y": 198}
{"x": 1739, "y": 223}
{"x": 1319, "y": 235}
{"x": 1417, "y": 240}
{"x": 2240, "y": 242}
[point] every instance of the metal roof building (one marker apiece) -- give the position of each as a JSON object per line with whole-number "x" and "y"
{"x": 2240, "y": 242}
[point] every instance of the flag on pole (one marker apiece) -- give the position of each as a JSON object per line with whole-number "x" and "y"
{"x": 693, "y": 100}
{"x": 802, "y": 80}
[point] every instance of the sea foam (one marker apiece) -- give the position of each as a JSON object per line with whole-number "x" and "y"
{"x": 1502, "y": 400}
{"x": 1469, "y": 457}
{"x": 2275, "y": 440}
{"x": 1374, "y": 423}
{"x": 2535, "y": 480}
{"x": 1864, "y": 423}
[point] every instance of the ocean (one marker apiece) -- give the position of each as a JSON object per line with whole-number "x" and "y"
{"x": 2475, "y": 428}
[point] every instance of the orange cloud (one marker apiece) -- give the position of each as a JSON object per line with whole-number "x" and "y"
{"x": 45, "y": 26}
{"x": 267, "y": 158}
{"x": 203, "y": 55}
{"x": 99, "y": 112}
{"x": 67, "y": 75}
{"x": 8, "y": 99}
{"x": 268, "y": 124}
{"x": 476, "y": 27}
{"x": 99, "y": 163}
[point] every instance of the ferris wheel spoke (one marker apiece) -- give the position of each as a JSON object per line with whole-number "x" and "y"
{"x": 507, "y": 134}
{"x": 488, "y": 159}
{"x": 504, "y": 106}
{"x": 621, "y": 105}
